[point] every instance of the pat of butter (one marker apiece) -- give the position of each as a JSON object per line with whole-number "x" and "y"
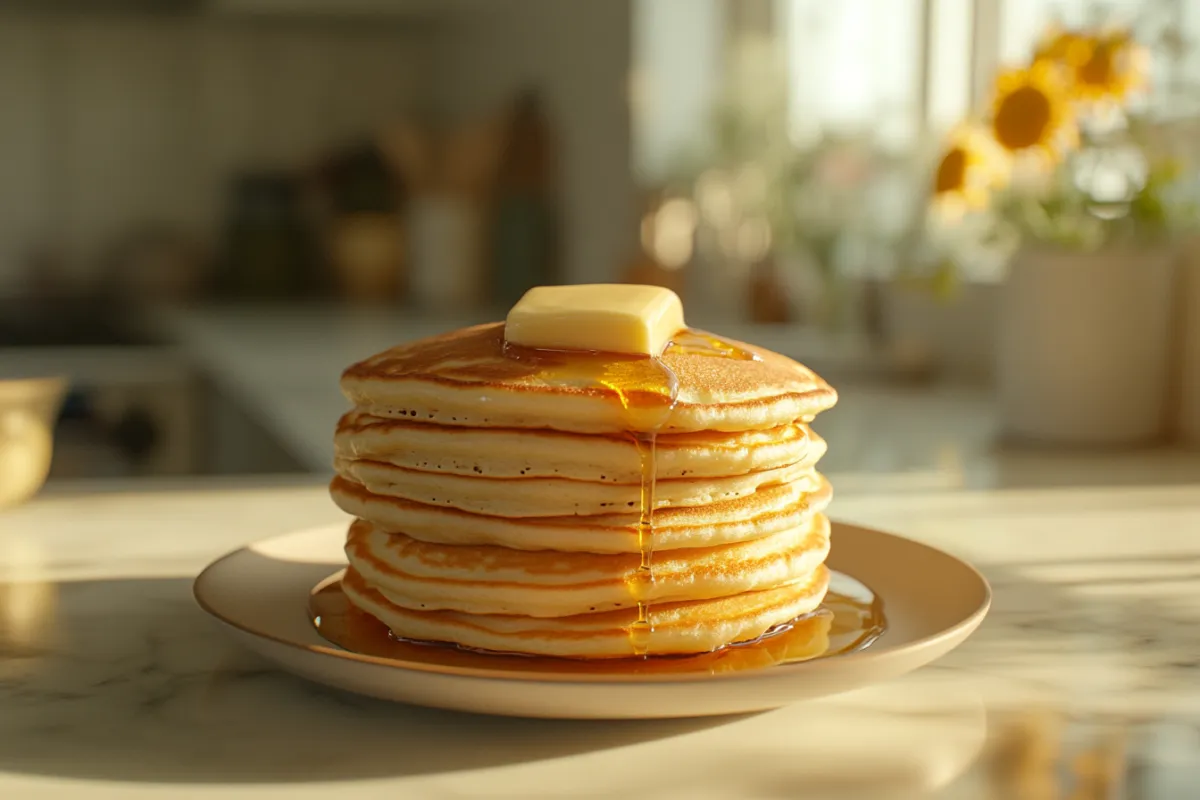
{"x": 612, "y": 318}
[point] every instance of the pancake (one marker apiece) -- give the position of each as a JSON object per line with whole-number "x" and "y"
{"x": 675, "y": 628}
{"x": 497, "y": 580}
{"x": 551, "y": 497}
{"x": 464, "y": 378}
{"x": 533, "y": 453}
{"x": 769, "y": 510}
{"x": 501, "y": 500}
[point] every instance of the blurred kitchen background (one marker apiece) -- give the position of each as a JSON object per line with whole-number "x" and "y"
{"x": 209, "y": 207}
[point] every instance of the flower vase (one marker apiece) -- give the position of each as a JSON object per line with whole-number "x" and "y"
{"x": 1083, "y": 346}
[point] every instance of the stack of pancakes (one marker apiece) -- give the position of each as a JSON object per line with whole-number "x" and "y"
{"x": 498, "y": 502}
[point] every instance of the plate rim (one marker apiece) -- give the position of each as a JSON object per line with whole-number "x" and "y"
{"x": 964, "y": 627}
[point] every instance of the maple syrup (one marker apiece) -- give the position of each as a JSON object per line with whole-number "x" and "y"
{"x": 647, "y": 389}
{"x": 850, "y": 619}
{"x": 643, "y": 581}
{"x": 699, "y": 343}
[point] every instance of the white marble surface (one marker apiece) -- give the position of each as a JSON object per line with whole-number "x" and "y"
{"x": 114, "y": 685}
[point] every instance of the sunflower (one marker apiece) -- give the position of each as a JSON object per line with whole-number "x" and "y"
{"x": 1111, "y": 68}
{"x": 1031, "y": 113}
{"x": 1063, "y": 47}
{"x": 1099, "y": 66}
{"x": 970, "y": 167}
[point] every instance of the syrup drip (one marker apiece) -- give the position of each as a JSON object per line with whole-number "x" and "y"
{"x": 850, "y": 619}
{"x": 643, "y": 581}
{"x": 647, "y": 389}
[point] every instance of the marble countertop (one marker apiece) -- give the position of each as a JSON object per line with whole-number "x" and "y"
{"x": 114, "y": 685}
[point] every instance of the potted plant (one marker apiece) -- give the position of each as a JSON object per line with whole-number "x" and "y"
{"x": 1061, "y": 179}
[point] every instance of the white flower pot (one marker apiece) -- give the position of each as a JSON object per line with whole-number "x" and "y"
{"x": 1083, "y": 346}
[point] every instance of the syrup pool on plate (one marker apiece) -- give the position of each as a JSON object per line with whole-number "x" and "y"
{"x": 850, "y": 619}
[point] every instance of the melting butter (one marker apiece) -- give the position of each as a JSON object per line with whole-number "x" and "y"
{"x": 607, "y": 318}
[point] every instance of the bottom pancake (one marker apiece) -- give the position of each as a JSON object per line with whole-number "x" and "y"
{"x": 677, "y": 628}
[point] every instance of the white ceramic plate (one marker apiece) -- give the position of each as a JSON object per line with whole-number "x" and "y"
{"x": 932, "y": 601}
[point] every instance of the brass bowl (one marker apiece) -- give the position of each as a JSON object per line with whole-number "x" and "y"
{"x": 28, "y": 411}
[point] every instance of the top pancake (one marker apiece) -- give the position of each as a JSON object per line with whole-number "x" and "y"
{"x": 466, "y": 378}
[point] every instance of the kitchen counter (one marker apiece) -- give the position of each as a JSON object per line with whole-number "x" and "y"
{"x": 114, "y": 685}
{"x": 283, "y": 365}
